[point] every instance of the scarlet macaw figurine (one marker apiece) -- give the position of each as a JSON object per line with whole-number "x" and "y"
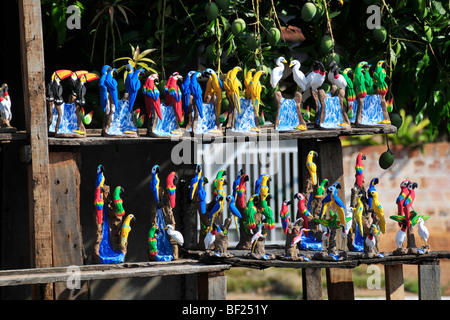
{"x": 359, "y": 169}
{"x": 173, "y": 95}
{"x": 284, "y": 215}
{"x": 302, "y": 210}
{"x": 151, "y": 95}
{"x": 409, "y": 201}
{"x": 171, "y": 188}
{"x": 402, "y": 197}
{"x": 240, "y": 191}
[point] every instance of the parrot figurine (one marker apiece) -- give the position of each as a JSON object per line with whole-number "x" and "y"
{"x": 219, "y": 175}
{"x": 240, "y": 191}
{"x": 303, "y": 211}
{"x": 350, "y": 91}
{"x": 231, "y": 85}
{"x": 99, "y": 201}
{"x": 378, "y": 209}
{"x": 220, "y": 183}
{"x": 103, "y": 88}
{"x": 196, "y": 91}
{"x": 86, "y": 118}
{"x": 256, "y": 236}
{"x": 152, "y": 240}
{"x": 214, "y": 85}
{"x": 139, "y": 119}
{"x": 202, "y": 194}
{"x": 186, "y": 92}
{"x": 321, "y": 189}
{"x": 255, "y": 92}
{"x": 236, "y": 182}
{"x": 248, "y": 78}
{"x": 359, "y": 80}
{"x": 261, "y": 187}
{"x": 379, "y": 76}
{"x": 154, "y": 183}
{"x": 111, "y": 85}
{"x": 132, "y": 84}
{"x": 311, "y": 166}
{"x": 277, "y": 72}
{"x": 326, "y": 202}
{"x": 359, "y": 168}
{"x": 126, "y": 228}
{"x": 216, "y": 209}
{"x": 152, "y": 96}
{"x": 267, "y": 211}
{"x": 339, "y": 204}
{"x": 370, "y": 239}
{"x": 368, "y": 78}
{"x": 171, "y": 188}
{"x": 250, "y": 212}
{"x": 372, "y": 184}
{"x": 118, "y": 202}
{"x": 358, "y": 213}
{"x": 409, "y": 201}
{"x": 284, "y": 215}
{"x": 402, "y": 197}
{"x": 173, "y": 95}
{"x": 194, "y": 182}
{"x": 235, "y": 212}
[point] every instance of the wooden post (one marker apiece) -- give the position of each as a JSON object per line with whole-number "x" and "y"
{"x": 212, "y": 286}
{"x": 312, "y": 283}
{"x": 340, "y": 284}
{"x": 32, "y": 54}
{"x": 395, "y": 289}
{"x": 429, "y": 280}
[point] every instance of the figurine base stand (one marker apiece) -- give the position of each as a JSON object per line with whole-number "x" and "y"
{"x": 167, "y": 126}
{"x": 333, "y": 115}
{"x": 220, "y": 244}
{"x": 68, "y": 123}
{"x": 289, "y": 116}
{"x": 372, "y": 111}
{"x": 245, "y": 241}
{"x": 245, "y": 122}
{"x": 120, "y": 122}
{"x": 259, "y": 251}
{"x": 209, "y": 125}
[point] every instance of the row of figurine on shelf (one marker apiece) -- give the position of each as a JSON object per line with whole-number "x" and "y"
{"x": 321, "y": 218}
{"x": 357, "y": 97}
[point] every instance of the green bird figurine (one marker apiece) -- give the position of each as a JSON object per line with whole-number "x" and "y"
{"x": 360, "y": 81}
{"x": 378, "y": 78}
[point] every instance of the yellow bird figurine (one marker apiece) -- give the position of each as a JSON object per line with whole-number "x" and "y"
{"x": 357, "y": 213}
{"x": 213, "y": 87}
{"x": 311, "y": 166}
{"x": 255, "y": 90}
{"x": 126, "y": 228}
{"x": 247, "y": 80}
{"x": 379, "y": 211}
{"x": 231, "y": 85}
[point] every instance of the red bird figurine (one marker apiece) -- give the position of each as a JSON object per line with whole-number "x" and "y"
{"x": 409, "y": 201}
{"x": 240, "y": 191}
{"x": 171, "y": 188}
{"x": 173, "y": 95}
{"x": 151, "y": 94}
{"x": 359, "y": 169}
{"x": 302, "y": 209}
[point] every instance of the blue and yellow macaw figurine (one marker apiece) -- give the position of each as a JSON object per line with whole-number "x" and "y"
{"x": 372, "y": 184}
{"x": 197, "y": 93}
{"x": 111, "y": 85}
{"x": 261, "y": 187}
{"x": 126, "y": 228}
{"x": 132, "y": 84}
{"x": 311, "y": 166}
{"x": 216, "y": 209}
{"x": 338, "y": 203}
{"x": 186, "y": 93}
{"x": 235, "y": 212}
{"x": 194, "y": 182}
{"x": 154, "y": 183}
{"x": 202, "y": 194}
{"x": 103, "y": 88}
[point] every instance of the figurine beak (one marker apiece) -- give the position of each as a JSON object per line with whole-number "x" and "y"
{"x": 289, "y": 202}
{"x": 316, "y": 154}
{"x": 205, "y": 180}
{"x": 363, "y": 157}
{"x": 415, "y": 185}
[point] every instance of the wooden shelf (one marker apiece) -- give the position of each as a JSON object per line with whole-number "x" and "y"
{"x": 94, "y": 137}
{"x": 6, "y": 137}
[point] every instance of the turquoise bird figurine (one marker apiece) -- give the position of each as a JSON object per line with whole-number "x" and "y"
{"x": 154, "y": 183}
{"x": 194, "y": 182}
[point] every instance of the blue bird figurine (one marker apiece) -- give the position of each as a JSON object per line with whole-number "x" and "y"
{"x": 154, "y": 183}
{"x": 197, "y": 93}
{"x": 202, "y": 194}
{"x": 103, "y": 88}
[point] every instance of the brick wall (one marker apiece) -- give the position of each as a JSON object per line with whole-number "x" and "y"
{"x": 430, "y": 169}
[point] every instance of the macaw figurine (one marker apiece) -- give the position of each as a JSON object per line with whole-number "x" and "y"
{"x": 186, "y": 92}
{"x": 154, "y": 183}
{"x": 348, "y": 76}
{"x": 86, "y": 118}
{"x": 103, "y": 88}
{"x": 262, "y": 189}
{"x": 99, "y": 201}
{"x": 126, "y": 228}
{"x": 302, "y": 209}
{"x": 299, "y": 76}
{"x": 358, "y": 212}
{"x": 339, "y": 204}
{"x": 235, "y": 212}
{"x": 152, "y": 96}
{"x": 202, "y": 194}
{"x": 359, "y": 80}
{"x": 404, "y": 191}
{"x": 359, "y": 167}
{"x": 171, "y": 188}
{"x": 240, "y": 191}
{"x": 267, "y": 211}
{"x": 372, "y": 184}
{"x": 214, "y": 86}
{"x": 219, "y": 175}
{"x": 173, "y": 95}
{"x": 139, "y": 119}
{"x": 220, "y": 183}
{"x": 216, "y": 209}
{"x": 132, "y": 84}
{"x": 111, "y": 85}
{"x": 368, "y": 78}
{"x": 321, "y": 189}
{"x": 118, "y": 202}
{"x": 409, "y": 201}
{"x": 284, "y": 215}
{"x": 194, "y": 182}
{"x": 277, "y": 72}
{"x": 236, "y": 182}
{"x": 333, "y": 221}
{"x": 255, "y": 92}
{"x": 326, "y": 202}
{"x": 378, "y": 209}
{"x": 248, "y": 78}
{"x": 379, "y": 76}
{"x": 311, "y": 166}
{"x": 196, "y": 91}
{"x": 250, "y": 212}
{"x": 152, "y": 240}
{"x": 231, "y": 85}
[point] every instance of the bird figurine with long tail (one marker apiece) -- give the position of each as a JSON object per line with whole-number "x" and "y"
{"x": 221, "y": 174}
{"x": 202, "y": 194}
{"x": 241, "y": 191}
{"x": 350, "y": 89}
{"x": 378, "y": 209}
{"x": 197, "y": 93}
{"x": 299, "y": 76}
{"x": 267, "y": 211}
{"x": 125, "y": 231}
{"x": 154, "y": 183}
{"x": 303, "y": 211}
{"x": 213, "y": 87}
{"x": 339, "y": 204}
{"x": 368, "y": 77}
{"x": 358, "y": 213}
{"x": 311, "y": 166}
{"x": 247, "y": 80}
{"x": 296, "y": 240}
{"x": 231, "y": 85}
{"x": 250, "y": 212}
{"x": 118, "y": 202}
{"x": 194, "y": 182}
{"x": 255, "y": 93}
{"x": 235, "y": 212}
{"x": 171, "y": 188}
{"x": 360, "y": 81}
{"x": 152, "y": 241}
{"x": 216, "y": 209}
{"x": 173, "y": 95}
{"x": 359, "y": 168}
{"x": 152, "y": 96}
{"x": 186, "y": 92}
{"x": 103, "y": 88}
{"x": 379, "y": 76}
{"x": 285, "y": 215}
{"x": 236, "y": 183}
{"x": 99, "y": 201}
{"x": 111, "y": 85}
{"x": 132, "y": 84}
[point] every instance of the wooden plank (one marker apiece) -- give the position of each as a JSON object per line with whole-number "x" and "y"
{"x": 340, "y": 284}
{"x": 395, "y": 289}
{"x": 212, "y": 286}
{"x": 429, "y": 274}
{"x": 32, "y": 54}
{"x": 312, "y": 283}
{"x": 67, "y": 239}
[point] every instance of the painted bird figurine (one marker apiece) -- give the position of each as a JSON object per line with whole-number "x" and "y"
{"x": 231, "y": 85}
{"x": 370, "y": 239}
{"x": 241, "y": 191}
{"x": 250, "y": 212}
{"x": 409, "y": 201}
{"x": 197, "y": 93}
{"x": 400, "y": 237}
{"x": 423, "y": 231}
{"x": 303, "y": 211}
{"x": 358, "y": 212}
{"x": 154, "y": 183}
{"x": 267, "y": 211}
{"x": 256, "y": 236}
{"x": 404, "y": 191}
{"x": 339, "y": 204}
{"x": 350, "y": 89}
{"x": 111, "y": 85}
{"x": 299, "y": 76}
{"x": 211, "y": 236}
{"x": 152, "y": 96}
{"x": 247, "y": 80}
{"x": 213, "y": 87}
{"x": 311, "y": 166}
{"x": 314, "y": 79}
{"x": 174, "y": 234}
{"x": 173, "y": 95}
{"x": 378, "y": 209}
{"x": 379, "y": 76}
{"x": 132, "y": 84}
{"x": 360, "y": 81}
{"x": 5, "y": 106}
{"x": 216, "y": 209}
{"x": 359, "y": 168}
{"x": 103, "y": 88}
{"x": 118, "y": 202}
{"x": 171, "y": 188}
{"x": 194, "y": 182}
{"x": 235, "y": 212}
{"x": 335, "y": 77}
{"x": 202, "y": 194}
{"x": 186, "y": 92}
{"x": 152, "y": 240}
{"x": 125, "y": 231}
{"x": 368, "y": 77}
{"x": 255, "y": 90}
{"x": 99, "y": 201}
{"x": 221, "y": 174}
{"x": 277, "y": 72}
{"x": 236, "y": 182}
{"x": 285, "y": 215}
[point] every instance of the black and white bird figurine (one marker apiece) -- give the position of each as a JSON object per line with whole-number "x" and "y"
{"x": 370, "y": 239}
{"x": 335, "y": 77}
{"x": 211, "y": 236}
{"x": 314, "y": 79}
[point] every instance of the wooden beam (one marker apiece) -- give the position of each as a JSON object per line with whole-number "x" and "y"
{"x": 429, "y": 280}
{"x": 32, "y": 52}
{"x": 212, "y": 286}
{"x": 395, "y": 288}
{"x": 312, "y": 283}
{"x": 340, "y": 284}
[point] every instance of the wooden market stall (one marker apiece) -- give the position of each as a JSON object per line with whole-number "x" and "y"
{"x": 57, "y": 167}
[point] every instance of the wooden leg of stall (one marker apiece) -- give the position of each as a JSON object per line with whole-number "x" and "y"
{"x": 212, "y": 286}
{"x": 312, "y": 283}
{"x": 395, "y": 289}
{"x": 429, "y": 280}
